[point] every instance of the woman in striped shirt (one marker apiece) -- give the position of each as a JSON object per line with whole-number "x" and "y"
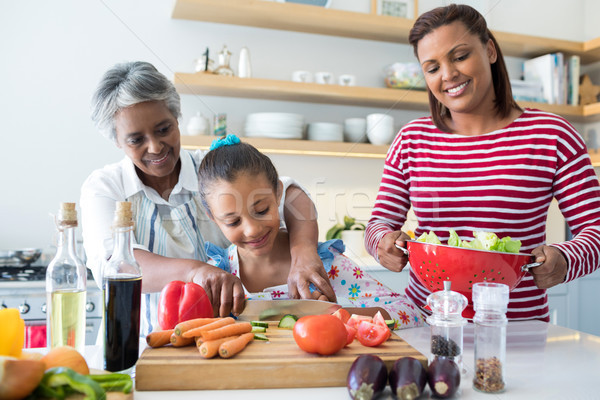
{"x": 481, "y": 163}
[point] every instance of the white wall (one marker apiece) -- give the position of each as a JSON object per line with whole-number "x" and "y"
{"x": 54, "y": 53}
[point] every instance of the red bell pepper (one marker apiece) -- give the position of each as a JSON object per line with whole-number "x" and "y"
{"x": 182, "y": 301}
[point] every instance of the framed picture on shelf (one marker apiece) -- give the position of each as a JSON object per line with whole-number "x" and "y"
{"x": 396, "y": 8}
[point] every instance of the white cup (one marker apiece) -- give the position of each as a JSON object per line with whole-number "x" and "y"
{"x": 355, "y": 130}
{"x": 324, "y": 78}
{"x": 380, "y": 129}
{"x": 302, "y": 76}
{"x": 347, "y": 80}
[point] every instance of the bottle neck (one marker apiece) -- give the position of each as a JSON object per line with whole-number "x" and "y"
{"x": 66, "y": 242}
{"x": 123, "y": 239}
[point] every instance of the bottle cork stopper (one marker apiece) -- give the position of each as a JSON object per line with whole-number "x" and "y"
{"x": 123, "y": 214}
{"x": 67, "y": 215}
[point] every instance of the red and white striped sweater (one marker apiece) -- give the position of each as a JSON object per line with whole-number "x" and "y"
{"x": 502, "y": 182}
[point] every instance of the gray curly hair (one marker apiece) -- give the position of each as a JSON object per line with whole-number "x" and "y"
{"x": 125, "y": 85}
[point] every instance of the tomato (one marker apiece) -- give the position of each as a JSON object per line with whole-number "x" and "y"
{"x": 351, "y": 334}
{"x": 372, "y": 334}
{"x": 181, "y": 301}
{"x": 342, "y": 314}
{"x": 379, "y": 320}
{"x": 322, "y": 334}
{"x": 356, "y": 319}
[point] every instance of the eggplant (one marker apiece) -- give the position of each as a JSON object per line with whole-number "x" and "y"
{"x": 367, "y": 377}
{"x": 443, "y": 377}
{"x": 408, "y": 378}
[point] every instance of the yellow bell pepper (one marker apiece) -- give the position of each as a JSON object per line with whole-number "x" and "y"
{"x": 12, "y": 334}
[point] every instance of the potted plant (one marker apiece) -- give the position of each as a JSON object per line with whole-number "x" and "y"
{"x": 352, "y": 234}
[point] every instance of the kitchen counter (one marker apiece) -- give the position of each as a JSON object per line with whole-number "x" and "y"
{"x": 543, "y": 361}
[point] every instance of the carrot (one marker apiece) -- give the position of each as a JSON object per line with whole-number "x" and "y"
{"x": 231, "y": 347}
{"x": 228, "y": 330}
{"x": 159, "y": 338}
{"x": 213, "y": 325}
{"x": 191, "y": 324}
{"x": 180, "y": 341}
{"x": 210, "y": 348}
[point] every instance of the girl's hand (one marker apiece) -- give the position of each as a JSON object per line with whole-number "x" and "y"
{"x": 553, "y": 271}
{"x": 389, "y": 255}
{"x": 224, "y": 290}
{"x": 307, "y": 268}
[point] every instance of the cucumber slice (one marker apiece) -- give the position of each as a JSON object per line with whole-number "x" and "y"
{"x": 287, "y": 321}
{"x": 258, "y": 329}
{"x": 260, "y": 336}
{"x": 259, "y": 323}
{"x": 390, "y": 323}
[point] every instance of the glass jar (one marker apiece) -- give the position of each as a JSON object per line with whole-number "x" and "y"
{"x": 223, "y": 68}
{"x": 447, "y": 322}
{"x": 490, "y": 302}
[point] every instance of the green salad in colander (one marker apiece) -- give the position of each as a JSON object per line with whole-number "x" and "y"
{"x": 482, "y": 241}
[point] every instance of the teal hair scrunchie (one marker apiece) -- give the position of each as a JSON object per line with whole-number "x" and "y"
{"x": 227, "y": 140}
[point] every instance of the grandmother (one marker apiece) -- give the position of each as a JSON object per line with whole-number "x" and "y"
{"x": 138, "y": 108}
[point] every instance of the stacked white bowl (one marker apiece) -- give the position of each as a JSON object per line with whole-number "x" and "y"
{"x": 274, "y": 125}
{"x": 355, "y": 130}
{"x": 325, "y": 131}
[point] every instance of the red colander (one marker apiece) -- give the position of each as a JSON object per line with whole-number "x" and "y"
{"x": 435, "y": 263}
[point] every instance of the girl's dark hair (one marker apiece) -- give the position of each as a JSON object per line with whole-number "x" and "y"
{"x": 476, "y": 24}
{"x": 227, "y": 162}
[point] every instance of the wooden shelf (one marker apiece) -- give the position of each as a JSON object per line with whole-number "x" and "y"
{"x": 314, "y": 148}
{"x": 204, "y": 84}
{"x": 298, "y": 147}
{"x": 326, "y": 21}
{"x": 595, "y": 156}
{"x": 216, "y": 85}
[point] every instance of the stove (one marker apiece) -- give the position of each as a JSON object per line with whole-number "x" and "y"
{"x": 23, "y": 286}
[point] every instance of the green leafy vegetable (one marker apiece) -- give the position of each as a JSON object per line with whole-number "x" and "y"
{"x": 482, "y": 241}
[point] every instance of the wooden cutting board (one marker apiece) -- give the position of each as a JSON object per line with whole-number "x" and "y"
{"x": 278, "y": 363}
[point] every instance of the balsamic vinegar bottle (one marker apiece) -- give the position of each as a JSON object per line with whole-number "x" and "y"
{"x": 122, "y": 287}
{"x": 66, "y": 286}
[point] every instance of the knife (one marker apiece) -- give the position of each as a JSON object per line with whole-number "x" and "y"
{"x": 274, "y": 310}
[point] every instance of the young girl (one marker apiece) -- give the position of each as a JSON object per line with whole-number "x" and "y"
{"x": 241, "y": 191}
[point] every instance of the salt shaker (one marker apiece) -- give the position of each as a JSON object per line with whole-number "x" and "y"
{"x": 447, "y": 322}
{"x": 490, "y": 301}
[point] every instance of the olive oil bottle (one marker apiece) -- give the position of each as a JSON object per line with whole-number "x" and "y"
{"x": 66, "y": 282}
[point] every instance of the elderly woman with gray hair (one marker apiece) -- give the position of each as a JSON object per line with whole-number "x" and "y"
{"x": 138, "y": 108}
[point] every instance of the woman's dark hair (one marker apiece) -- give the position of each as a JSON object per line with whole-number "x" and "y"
{"x": 476, "y": 24}
{"x": 227, "y": 162}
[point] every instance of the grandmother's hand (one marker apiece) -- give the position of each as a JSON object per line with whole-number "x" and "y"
{"x": 389, "y": 255}
{"x": 307, "y": 268}
{"x": 225, "y": 290}
{"x": 553, "y": 271}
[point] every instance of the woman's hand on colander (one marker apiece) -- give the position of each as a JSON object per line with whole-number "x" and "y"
{"x": 389, "y": 255}
{"x": 553, "y": 271}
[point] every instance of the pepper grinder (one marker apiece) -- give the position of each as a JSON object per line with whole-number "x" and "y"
{"x": 490, "y": 301}
{"x": 447, "y": 323}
